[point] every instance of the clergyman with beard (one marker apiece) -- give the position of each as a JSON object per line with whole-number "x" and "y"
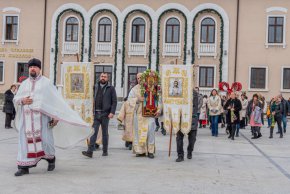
{"x": 105, "y": 103}
{"x": 39, "y": 108}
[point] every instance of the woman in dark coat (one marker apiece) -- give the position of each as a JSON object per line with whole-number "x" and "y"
{"x": 9, "y": 106}
{"x": 233, "y": 107}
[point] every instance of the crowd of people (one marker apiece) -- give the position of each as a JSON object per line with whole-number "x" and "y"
{"x": 40, "y": 107}
{"x": 235, "y": 111}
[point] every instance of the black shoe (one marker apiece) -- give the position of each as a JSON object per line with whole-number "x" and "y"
{"x": 179, "y": 159}
{"x": 157, "y": 128}
{"x": 140, "y": 155}
{"x": 163, "y": 131}
{"x": 281, "y": 136}
{"x": 22, "y": 171}
{"x": 6, "y": 127}
{"x": 259, "y": 135}
{"x": 150, "y": 155}
{"x": 229, "y": 136}
{"x": 233, "y": 137}
{"x": 105, "y": 154}
{"x": 189, "y": 155}
{"x": 127, "y": 144}
{"x": 284, "y": 130}
{"x": 88, "y": 154}
{"x": 130, "y": 146}
{"x": 255, "y": 136}
{"x": 51, "y": 164}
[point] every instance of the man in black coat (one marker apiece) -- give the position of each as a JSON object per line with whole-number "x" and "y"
{"x": 105, "y": 103}
{"x": 233, "y": 107}
{"x": 9, "y": 106}
{"x": 285, "y": 111}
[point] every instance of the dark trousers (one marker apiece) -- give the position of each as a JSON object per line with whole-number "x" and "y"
{"x": 243, "y": 123}
{"x": 101, "y": 119}
{"x": 191, "y": 142}
{"x": 214, "y": 125}
{"x": 232, "y": 129}
{"x": 157, "y": 122}
{"x": 284, "y": 120}
{"x": 262, "y": 118}
{"x": 279, "y": 123}
{"x": 8, "y": 119}
{"x": 256, "y": 130}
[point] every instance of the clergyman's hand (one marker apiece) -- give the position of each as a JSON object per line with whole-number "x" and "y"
{"x": 141, "y": 99}
{"x": 111, "y": 115}
{"x": 27, "y": 101}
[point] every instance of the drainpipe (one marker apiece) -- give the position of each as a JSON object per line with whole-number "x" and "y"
{"x": 44, "y": 35}
{"x": 237, "y": 39}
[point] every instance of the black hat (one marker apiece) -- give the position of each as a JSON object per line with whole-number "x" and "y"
{"x": 34, "y": 62}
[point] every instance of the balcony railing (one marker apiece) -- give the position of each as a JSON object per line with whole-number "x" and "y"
{"x": 171, "y": 49}
{"x": 207, "y": 49}
{"x": 70, "y": 48}
{"x": 137, "y": 49}
{"x": 103, "y": 48}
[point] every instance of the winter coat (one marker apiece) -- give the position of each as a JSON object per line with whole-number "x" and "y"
{"x": 8, "y": 102}
{"x": 214, "y": 105}
{"x": 237, "y": 105}
{"x": 244, "y": 108}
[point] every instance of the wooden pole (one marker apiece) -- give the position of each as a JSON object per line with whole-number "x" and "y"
{"x": 78, "y": 58}
{"x": 170, "y": 140}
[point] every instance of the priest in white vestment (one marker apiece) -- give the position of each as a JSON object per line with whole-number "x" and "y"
{"x": 43, "y": 119}
{"x": 144, "y": 127}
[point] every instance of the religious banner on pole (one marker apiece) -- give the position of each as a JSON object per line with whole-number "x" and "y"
{"x": 177, "y": 86}
{"x": 78, "y": 84}
{"x": 150, "y": 90}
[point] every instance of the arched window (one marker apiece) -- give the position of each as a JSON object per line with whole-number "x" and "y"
{"x": 172, "y": 31}
{"x": 104, "y": 30}
{"x": 138, "y": 31}
{"x": 207, "y": 31}
{"x": 71, "y": 29}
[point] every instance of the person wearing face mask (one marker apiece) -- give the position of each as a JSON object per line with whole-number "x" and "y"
{"x": 9, "y": 107}
{"x": 105, "y": 104}
{"x": 39, "y": 109}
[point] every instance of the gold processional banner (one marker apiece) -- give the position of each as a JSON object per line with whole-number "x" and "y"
{"x": 177, "y": 86}
{"x": 78, "y": 81}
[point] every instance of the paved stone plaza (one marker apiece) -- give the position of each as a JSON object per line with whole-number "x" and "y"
{"x": 219, "y": 165}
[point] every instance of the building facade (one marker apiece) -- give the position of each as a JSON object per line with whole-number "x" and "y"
{"x": 226, "y": 40}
